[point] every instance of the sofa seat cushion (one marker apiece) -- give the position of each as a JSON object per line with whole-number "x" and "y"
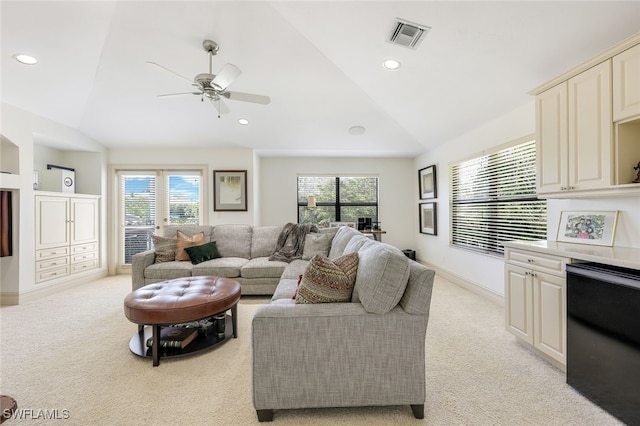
{"x": 233, "y": 240}
{"x": 262, "y": 267}
{"x": 295, "y": 269}
{"x": 328, "y": 281}
{"x": 382, "y": 277}
{"x": 285, "y": 290}
{"x": 168, "y": 270}
{"x": 226, "y": 267}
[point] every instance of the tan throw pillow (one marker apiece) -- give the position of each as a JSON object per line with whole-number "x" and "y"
{"x": 165, "y": 248}
{"x": 184, "y": 241}
{"x": 328, "y": 281}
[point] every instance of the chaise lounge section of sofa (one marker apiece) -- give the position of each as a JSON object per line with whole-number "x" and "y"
{"x": 367, "y": 352}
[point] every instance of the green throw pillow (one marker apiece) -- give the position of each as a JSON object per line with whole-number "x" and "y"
{"x": 204, "y": 252}
{"x": 328, "y": 281}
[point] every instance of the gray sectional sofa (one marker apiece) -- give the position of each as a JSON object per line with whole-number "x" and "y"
{"x": 245, "y": 251}
{"x": 370, "y": 352}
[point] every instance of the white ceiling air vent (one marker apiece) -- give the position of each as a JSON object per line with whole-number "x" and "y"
{"x": 407, "y": 33}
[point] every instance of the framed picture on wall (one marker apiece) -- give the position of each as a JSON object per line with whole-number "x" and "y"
{"x": 428, "y": 218}
{"x": 588, "y": 227}
{"x": 230, "y": 190}
{"x": 427, "y": 182}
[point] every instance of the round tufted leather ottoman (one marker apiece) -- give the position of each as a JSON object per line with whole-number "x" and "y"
{"x": 181, "y": 300}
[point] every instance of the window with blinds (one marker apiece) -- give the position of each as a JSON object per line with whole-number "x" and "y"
{"x": 150, "y": 199}
{"x": 338, "y": 199}
{"x": 493, "y": 199}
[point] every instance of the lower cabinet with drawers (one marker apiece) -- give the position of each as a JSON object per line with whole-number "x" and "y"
{"x": 67, "y": 234}
{"x": 535, "y": 301}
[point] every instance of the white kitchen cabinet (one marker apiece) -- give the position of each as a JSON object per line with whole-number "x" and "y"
{"x": 67, "y": 234}
{"x": 626, "y": 84}
{"x": 535, "y": 301}
{"x": 574, "y": 133}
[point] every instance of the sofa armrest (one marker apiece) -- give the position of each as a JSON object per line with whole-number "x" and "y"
{"x": 336, "y": 355}
{"x": 139, "y": 263}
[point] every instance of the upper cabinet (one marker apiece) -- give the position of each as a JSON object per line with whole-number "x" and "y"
{"x": 574, "y": 132}
{"x": 626, "y": 84}
{"x": 588, "y": 126}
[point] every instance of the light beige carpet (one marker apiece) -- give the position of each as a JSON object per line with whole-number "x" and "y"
{"x": 70, "y": 352}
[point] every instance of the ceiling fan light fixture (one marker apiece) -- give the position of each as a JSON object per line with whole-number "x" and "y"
{"x": 25, "y": 59}
{"x": 391, "y": 64}
{"x": 243, "y": 121}
{"x": 357, "y": 130}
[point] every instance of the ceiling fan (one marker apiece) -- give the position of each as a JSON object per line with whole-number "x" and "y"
{"x": 213, "y": 86}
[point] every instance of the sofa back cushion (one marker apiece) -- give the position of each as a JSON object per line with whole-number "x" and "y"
{"x": 263, "y": 240}
{"x": 383, "y": 271}
{"x": 171, "y": 231}
{"x": 233, "y": 240}
{"x": 340, "y": 241}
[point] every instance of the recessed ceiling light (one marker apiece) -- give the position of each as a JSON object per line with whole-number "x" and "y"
{"x": 25, "y": 59}
{"x": 391, "y": 64}
{"x": 243, "y": 121}
{"x": 357, "y": 130}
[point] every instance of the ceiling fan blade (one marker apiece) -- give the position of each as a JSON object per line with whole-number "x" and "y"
{"x": 168, "y": 70}
{"x": 220, "y": 106}
{"x": 179, "y": 94}
{"x": 225, "y": 77}
{"x": 247, "y": 97}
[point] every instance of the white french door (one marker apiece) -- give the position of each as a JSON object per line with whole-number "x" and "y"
{"x": 151, "y": 199}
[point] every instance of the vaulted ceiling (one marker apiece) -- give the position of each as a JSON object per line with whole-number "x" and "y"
{"x": 320, "y": 62}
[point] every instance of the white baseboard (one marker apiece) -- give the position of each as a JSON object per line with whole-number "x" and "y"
{"x": 13, "y": 298}
{"x": 466, "y": 284}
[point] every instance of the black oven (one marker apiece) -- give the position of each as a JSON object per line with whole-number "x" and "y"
{"x": 603, "y": 337}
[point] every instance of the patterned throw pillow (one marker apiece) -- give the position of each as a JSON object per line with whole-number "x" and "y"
{"x": 202, "y": 253}
{"x": 185, "y": 241}
{"x": 328, "y": 281}
{"x": 165, "y": 248}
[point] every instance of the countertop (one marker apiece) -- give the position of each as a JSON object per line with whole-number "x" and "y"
{"x": 625, "y": 257}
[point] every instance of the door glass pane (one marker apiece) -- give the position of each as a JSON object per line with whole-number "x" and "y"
{"x": 183, "y": 199}
{"x": 138, "y": 212}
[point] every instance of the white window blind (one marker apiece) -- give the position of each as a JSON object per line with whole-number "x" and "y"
{"x": 493, "y": 199}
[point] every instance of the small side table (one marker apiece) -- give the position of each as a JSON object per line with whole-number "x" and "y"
{"x": 8, "y": 406}
{"x": 377, "y": 234}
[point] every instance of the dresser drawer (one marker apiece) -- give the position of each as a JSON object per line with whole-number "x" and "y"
{"x": 52, "y": 273}
{"x": 83, "y": 257}
{"x": 540, "y": 262}
{"x": 58, "y": 262}
{"x": 84, "y": 266}
{"x": 83, "y": 248}
{"x": 51, "y": 253}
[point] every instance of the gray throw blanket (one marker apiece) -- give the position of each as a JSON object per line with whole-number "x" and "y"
{"x": 291, "y": 241}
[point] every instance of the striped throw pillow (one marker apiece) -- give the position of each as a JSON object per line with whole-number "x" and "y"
{"x": 328, "y": 281}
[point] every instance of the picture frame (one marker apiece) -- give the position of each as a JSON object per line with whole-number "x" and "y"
{"x": 428, "y": 214}
{"x": 587, "y": 227}
{"x": 230, "y": 190}
{"x": 427, "y": 182}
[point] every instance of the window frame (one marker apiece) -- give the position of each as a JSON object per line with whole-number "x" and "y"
{"x": 338, "y": 204}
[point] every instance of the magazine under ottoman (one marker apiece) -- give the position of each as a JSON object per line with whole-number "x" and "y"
{"x": 180, "y": 301}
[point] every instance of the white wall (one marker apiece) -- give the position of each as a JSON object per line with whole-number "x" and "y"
{"x": 487, "y": 271}
{"x": 212, "y": 159}
{"x": 397, "y": 194}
